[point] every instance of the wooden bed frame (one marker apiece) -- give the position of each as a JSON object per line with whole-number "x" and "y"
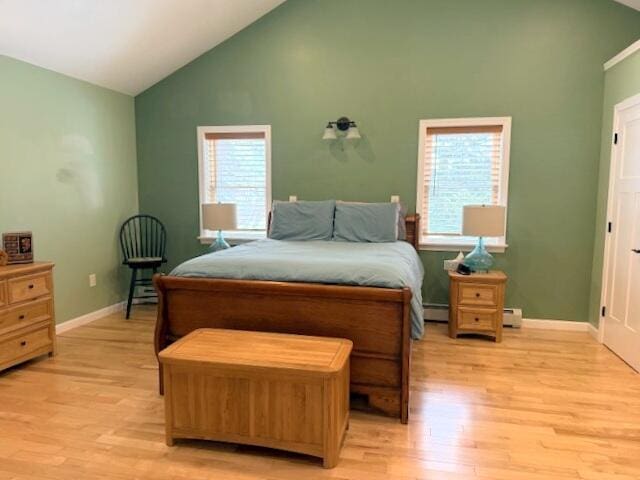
{"x": 377, "y": 320}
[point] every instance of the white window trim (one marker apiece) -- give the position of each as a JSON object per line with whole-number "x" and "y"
{"x": 443, "y": 243}
{"x": 236, "y": 236}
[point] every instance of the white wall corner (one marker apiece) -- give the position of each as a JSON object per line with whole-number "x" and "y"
{"x": 89, "y": 317}
{"x": 596, "y": 333}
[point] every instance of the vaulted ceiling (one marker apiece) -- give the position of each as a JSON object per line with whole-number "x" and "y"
{"x": 631, "y": 3}
{"x": 125, "y": 45}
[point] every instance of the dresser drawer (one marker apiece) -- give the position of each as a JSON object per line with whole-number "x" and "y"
{"x": 29, "y": 287}
{"x": 3, "y": 293}
{"x": 478, "y": 294}
{"x": 25, "y": 315}
{"x": 477, "y": 319}
{"x": 20, "y": 346}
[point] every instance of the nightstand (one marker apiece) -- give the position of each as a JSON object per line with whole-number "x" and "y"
{"x": 476, "y": 303}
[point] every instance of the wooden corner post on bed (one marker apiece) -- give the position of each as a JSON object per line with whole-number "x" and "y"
{"x": 376, "y": 320}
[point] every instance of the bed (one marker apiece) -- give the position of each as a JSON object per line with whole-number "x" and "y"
{"x": 370, "y": 303}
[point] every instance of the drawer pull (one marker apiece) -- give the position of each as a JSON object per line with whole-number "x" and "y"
{"x": 477, "y": 319}
{"x": 477, "y": 294}
{"x": 23, "y": 343}
{"x": 21, "y": 317}
{"x": 31, "y": 286}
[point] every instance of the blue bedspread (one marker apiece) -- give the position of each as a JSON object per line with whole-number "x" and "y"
{"x": 391, "y": 265}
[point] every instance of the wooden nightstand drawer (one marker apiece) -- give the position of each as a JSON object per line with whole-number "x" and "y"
{"x": 23, "y": 345}
{"x": 478, "y": 294}
{"x": 29, "y": 287}
{"x": 25, "y": 315}
{"x": 477, "y": 319}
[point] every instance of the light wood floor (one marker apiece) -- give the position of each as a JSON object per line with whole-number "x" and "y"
{"x": 541, "y": 405}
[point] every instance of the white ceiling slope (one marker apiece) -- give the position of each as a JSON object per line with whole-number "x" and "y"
{"x": 631, "y": 3}
{"x": 125, "y": 45}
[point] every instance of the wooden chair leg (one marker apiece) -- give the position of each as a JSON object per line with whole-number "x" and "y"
{"x": 132, "y": 288}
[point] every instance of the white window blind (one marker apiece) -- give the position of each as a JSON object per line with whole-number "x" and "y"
{"x": 236, "y": 172}
{"x": 461, "y": 165}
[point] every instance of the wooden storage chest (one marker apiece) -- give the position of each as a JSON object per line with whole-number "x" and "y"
{"x": 283, "y": 391}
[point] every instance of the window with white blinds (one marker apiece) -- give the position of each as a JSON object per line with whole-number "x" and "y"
{"x": 235, "y": 168}
{"x": 461, "y": 162}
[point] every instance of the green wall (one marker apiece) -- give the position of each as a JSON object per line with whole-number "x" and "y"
{"x": 387, "y": 65}
{"x": 621, "y": 82}
{"x": 67, "y": 173}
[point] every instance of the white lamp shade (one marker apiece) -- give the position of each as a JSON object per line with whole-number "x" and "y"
{"x": 329, "y": 134}
{"x": 353, "y": 133}
{"x": 483, "y": 220}
{"x": 219, "y": 216}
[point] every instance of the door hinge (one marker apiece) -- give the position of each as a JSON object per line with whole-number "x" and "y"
{"x": 604, "y": 311}
{"x": 609, "y": 227}
{"x": 615, "y": 138}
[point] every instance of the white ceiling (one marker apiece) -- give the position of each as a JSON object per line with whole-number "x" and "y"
{"x": 631, "y": 3}
{"x": 125, "y": 45}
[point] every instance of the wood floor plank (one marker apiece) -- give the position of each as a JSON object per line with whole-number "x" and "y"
{"x": 541, "y": 405}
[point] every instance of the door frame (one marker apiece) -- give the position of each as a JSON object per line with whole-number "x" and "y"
{"x": 613, "y": 164}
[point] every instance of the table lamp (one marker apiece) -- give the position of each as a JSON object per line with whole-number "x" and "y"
{"x": 219, "y": 216}
{"x": 482, "y": 221}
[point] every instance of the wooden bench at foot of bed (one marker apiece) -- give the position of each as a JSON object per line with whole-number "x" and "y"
{"x": 376, "y": 320}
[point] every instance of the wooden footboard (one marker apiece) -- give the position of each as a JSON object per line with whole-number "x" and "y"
{"x": 376, "y": 320}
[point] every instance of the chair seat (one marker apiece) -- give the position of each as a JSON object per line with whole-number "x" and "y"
{"x": 139, "y": 261}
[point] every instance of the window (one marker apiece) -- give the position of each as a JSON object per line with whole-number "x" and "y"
{"x": 460, "y": 162}
{"x": 235, "y": 167}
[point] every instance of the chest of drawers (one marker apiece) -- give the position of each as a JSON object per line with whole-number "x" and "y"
{"x": 27, "y": 319}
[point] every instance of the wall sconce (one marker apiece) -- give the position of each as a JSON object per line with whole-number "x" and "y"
{"x": 343, "y": 124}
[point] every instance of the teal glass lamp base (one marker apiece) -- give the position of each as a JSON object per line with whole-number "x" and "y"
{"x": 219, "y": 244}
{"x": 479, "y": 260}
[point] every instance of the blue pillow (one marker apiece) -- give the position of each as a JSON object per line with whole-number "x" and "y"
{"x": 366, "y": 222}
{"x": 302, "y": 220}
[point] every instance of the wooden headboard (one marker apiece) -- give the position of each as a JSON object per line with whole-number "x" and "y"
{"x": 412, "y": 224}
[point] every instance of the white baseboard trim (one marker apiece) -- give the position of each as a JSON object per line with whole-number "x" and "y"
{"x": 595, "y": 333}
{"x": 89, "y": 317}
{"x": 566, "y": 325}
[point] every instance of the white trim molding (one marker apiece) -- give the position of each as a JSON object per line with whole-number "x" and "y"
{"x": 205, "y": 237}
{"x": 89, "y": 317}
{"x": 630, "y": 50}
{"x": 565, "y": 325}
{"x": 454, "y": 243}
{"x": 596, "y": 333}
{"x": 462, "y": 246}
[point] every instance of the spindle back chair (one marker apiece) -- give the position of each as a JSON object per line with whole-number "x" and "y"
{"x": 143, "y": 240}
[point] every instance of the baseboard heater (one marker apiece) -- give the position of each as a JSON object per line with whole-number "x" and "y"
{"x": 434, "y": 312}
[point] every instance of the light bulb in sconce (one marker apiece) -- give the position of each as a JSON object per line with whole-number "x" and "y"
{"x": 329, "y": 133}
{"x": 353, "y": 133}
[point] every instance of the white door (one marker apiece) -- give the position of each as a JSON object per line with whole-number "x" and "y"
{"x": 622, "y": 297}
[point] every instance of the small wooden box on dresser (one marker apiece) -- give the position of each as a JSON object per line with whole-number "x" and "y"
{"x": 27, "y": 320}
{"x": 476, "y": 303}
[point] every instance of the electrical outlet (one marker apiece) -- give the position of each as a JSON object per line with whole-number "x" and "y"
{"x": 395, "y": 198}
{"x": 293, "y": 198}
{"x": 92, "y": 280}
